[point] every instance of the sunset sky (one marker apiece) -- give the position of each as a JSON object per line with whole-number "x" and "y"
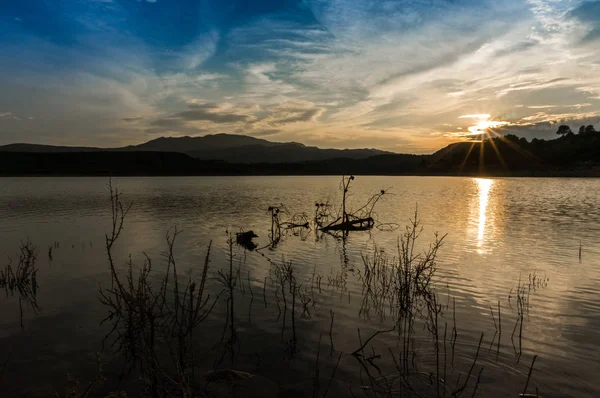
{"x": 404, "y": 76}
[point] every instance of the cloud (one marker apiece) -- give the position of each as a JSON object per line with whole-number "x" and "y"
{"x": 247, "y": 119}
{"x": 194, "y": 104}
{"x": 215, "y": 117}
{"x": 168, "y": 123}
{"x": 198, "y": 117}
{"x": 293, "y": 112}
{"x": 545, "y": 128}
{"x": 536, "y": 84}
{"x": 517, "y": 48}
{"x": 264, "y": 133}
{"x": 541, "y": 106}
{"x": 389, "y": 74}
{"x": 8, "y": 116}
{"x": 260, "y": 81}
{"x": 476, "y": 116}
{"x": 588, "y": 12}
{"x": 557, "y": 117}
{"x": 578, "y": 106}
{"x": 198, "y": 52}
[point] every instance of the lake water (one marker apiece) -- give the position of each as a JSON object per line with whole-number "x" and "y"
{"x": 499, "y": 231}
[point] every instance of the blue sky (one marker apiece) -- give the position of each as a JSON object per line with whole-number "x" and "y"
{"x": 405, "y": 76}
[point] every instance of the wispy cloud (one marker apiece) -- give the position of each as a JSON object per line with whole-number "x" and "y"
{"x": 8, "y": 116}
{"x": 476, "y": 116}
{"x": 336, "y": 73}
{"x": 577, "y": 106}
{"x": 557, "y": 117}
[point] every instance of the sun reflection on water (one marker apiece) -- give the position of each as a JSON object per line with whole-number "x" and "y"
{"x": 484, "y": 186}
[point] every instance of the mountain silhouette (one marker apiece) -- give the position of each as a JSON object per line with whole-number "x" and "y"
{"x": 223, "y": 147}
{"x": 221, "y": 154}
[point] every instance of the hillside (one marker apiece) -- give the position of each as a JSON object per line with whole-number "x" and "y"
{"x": 107, "y": 163}
{"x": 47, "y": 148}
{"x": 224, "y": 147}
{"x": 569, "y": 155}
{"x": 577, "y": 154}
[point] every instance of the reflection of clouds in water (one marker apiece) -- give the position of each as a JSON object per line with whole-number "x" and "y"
{"x": 498, "y": 229}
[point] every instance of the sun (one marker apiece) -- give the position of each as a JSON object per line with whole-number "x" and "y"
{"x": 484, "y": 126}
{"x": 481, "y": 133}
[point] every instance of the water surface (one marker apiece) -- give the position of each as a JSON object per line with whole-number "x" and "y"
{"x": 499, "y": 231}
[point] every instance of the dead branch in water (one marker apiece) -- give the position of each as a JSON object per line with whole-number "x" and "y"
{"x": 360, "y": 220}
{"x": 297, "y": 224}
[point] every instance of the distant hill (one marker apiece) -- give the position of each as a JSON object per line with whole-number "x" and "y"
{"x": 280, "y": 153}
{"x": 114, "y": 163}
{"x": 47, "y": 148}
{"x": 225, "y": 147}
{"x": 570, "y": 155}
{"x": 210, "y": 142}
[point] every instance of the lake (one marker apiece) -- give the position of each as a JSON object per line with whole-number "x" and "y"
{"x": 499, "y": 232}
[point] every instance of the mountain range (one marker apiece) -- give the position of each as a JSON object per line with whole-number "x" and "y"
{"x": 223, "y": 154}
{"x": 222, "y": 147}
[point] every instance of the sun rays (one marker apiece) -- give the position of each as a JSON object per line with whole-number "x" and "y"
{"x": 481, "y": 133}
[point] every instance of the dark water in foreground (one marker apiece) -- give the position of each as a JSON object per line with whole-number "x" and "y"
{"x": 499, "y": 231}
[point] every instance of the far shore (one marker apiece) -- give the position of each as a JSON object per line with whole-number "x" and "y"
{"x": 517, "y": 174}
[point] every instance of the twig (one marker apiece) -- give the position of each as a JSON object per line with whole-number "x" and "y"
{"x": 265, "y": 292}
{"x": 362, "y": 347}
{"x": 251, "y": 299}
{"x": 4, "y": 366}
{"x": 316, "y": 382}
{"x": 529, "y": 375}
{"x": 332, "y": 314}
{"x": 493, "y": 318}
{"x": 332, "y": 375}
{"x": 477, "y": 383}
{"x": 462, "y": 388}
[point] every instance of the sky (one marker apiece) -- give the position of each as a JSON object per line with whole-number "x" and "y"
{"x": 404, "y": 76}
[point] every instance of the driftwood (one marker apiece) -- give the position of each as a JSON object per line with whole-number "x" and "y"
{"x": 359, "y": 220}
{"x": 291, "y": 225}
{"x": 279, "y": 228}
{"x": 359, "y": 224}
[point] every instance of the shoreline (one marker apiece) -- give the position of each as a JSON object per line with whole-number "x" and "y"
{"x": 565, "y": 174}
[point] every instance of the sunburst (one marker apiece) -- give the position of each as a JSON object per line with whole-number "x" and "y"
{"x": 484, "y": 129}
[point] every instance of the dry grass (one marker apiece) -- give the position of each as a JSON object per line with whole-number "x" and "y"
{"x": 21, "y": 279}
{"x": 151, "y": 319}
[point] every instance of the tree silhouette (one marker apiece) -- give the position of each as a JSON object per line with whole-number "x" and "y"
{"x": 590, "y": 129}
{"x": 563, "y": 130}
{"x": 582, "y": 130}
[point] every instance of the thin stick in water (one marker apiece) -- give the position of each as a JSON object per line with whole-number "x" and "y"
{"x": 265, "y": 292}
{"x": 316, "y": 381}
{"x": 332, "y": 314}
{"x": 332, "y": 375}
{"x": 529, "y": 375}
{"x": 251, "y": 299}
